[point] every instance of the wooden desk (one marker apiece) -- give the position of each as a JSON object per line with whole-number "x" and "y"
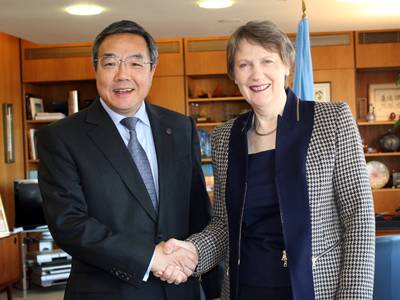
{"x": 381, "y": 232}
{"x": 10, "y": 262}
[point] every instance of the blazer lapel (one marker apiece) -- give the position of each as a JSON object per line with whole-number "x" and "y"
{"x": 293, "y": 138}
{"x": 236, "y": 191}
{"x": 106, "y": 136}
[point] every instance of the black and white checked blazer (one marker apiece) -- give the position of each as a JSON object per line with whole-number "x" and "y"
{"x": 340, "y": 205}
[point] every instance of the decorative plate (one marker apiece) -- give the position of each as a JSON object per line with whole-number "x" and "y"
{"x": 378, "y": 174}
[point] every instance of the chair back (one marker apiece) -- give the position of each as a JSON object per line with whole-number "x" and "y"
{"x": 387, "y": 268}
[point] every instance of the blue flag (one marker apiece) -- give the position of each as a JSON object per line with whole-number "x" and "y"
{"x": 303, "y": 84}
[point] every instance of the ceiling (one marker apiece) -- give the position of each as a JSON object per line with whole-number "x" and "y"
{"x": 44, "y": 21}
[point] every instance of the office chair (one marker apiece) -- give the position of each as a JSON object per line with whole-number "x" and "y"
{"x": 387, "y": 268}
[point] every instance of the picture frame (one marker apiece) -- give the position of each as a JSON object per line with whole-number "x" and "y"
{"x": 36, "y": 105}
{"x": 8, "y": 133}
{"x": 3, "y": 221}
{"x": 322, "y": 91}
{"x": 385, "y": 98}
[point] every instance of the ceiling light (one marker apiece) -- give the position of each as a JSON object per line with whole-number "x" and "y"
{"x": 379, "y": 2}
{"x": 84, "y": 10}
{"x": 214, "y": 4}
{"x": 350, "y": 1}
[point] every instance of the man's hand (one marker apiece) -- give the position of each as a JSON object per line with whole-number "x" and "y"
{"x": 178, "y": 261}
{"x": 179, "y": 249}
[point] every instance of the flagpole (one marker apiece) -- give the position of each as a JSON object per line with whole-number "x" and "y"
{"x": 303, "y": 5}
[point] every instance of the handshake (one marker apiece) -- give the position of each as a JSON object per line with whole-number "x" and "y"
{"x": 174, "y": 261}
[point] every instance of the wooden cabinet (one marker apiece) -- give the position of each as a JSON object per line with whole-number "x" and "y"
{"x": 377, "y": 64}
{"x": 168, "y": 88}
{"x": 54, "y": 95}
{"x": 386, "y": 199}
{"x": 169, "y": 92}
{"x": 10, "y": 93}
{"x": 333, "y": 61}
{"x": 10, "y": 262}
{"x": 378, "y": 48}
{"x": 343, "y": 85}
{"x": 211, "y": 97}
{"x": 205, "y": 56}
{"x": 330, "y": 50}
{"x": 170, "y": 57}
{"x": 61, "y": 62}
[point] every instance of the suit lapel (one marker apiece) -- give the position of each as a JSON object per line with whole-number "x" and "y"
{"x": 106, "y": 136}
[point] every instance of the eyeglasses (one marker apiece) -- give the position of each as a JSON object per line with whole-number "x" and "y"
{"x": 112, "y": 63}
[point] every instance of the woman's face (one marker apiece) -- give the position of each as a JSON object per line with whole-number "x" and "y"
{"x": 259, "y": 74}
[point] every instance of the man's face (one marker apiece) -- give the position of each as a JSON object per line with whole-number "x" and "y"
{"x": 123, "y": 85}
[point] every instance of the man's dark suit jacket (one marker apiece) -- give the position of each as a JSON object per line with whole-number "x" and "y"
{"x": 98, "y": 209}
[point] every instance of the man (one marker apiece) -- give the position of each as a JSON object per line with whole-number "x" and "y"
{"x": 121, "y": 177}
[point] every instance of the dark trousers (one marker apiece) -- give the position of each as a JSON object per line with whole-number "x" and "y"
{"x": 263, "y": 293}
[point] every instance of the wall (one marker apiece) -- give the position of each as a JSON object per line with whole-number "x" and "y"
{"x": 10, "y": 92}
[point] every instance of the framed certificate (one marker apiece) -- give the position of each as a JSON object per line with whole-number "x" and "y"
{"x": 386, "y": 100}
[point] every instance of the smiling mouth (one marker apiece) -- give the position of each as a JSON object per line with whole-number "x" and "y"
{"x": 259, "y": 88}
{"x": 123, "y": 90}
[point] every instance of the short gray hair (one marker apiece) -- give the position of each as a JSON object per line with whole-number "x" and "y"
{"x": 264, "y": 33}
{"x": 125, "y": 26}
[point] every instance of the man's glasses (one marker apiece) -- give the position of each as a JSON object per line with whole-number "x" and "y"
{"x": 112, "y": 63}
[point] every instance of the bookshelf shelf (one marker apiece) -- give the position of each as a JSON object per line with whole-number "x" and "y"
{"x": 386, "y": 190}
{"x": 382, "y": 154}
{"x": 216, "y": 99}
{"x": 206, "y": 160}
{"x": 209, "y": 124}
{"x": 39, "y": 121}
{"x": 376, "y": 123}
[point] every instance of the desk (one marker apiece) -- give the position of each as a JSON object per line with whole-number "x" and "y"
{"x": 380, "y": 232}
{"x": 10, "y": 262}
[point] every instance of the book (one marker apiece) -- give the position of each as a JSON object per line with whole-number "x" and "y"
{"x": 49, "y": 116}
{"x": 205, "y": 143}
{"x": 208, "y": 176}
{"x": 33, "y": 174}
{"x": 32, "y": 144}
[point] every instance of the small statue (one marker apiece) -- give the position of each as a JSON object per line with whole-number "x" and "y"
{"x": 371, "y": 114}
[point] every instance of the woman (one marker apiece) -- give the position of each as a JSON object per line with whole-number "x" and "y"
{"x": 293, "y": 214}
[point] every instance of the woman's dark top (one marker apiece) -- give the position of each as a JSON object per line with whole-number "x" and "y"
{"x": 262, "y": 239}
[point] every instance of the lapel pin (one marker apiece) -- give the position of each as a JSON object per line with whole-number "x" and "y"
{"x": 168, "y": 130}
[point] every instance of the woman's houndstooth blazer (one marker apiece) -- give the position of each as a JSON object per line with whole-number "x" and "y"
{"x": 325, "y": 201}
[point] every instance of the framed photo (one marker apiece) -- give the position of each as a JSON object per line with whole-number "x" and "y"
{"x": 386, "y": 100}
{"x": 322, "y": 91}
{"x": 3, "y": 221}
{"x": 8, "y": 135}
{"x": 36, "y": 105}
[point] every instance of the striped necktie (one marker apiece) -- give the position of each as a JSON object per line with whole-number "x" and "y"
{"x": 140, "y": 158}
